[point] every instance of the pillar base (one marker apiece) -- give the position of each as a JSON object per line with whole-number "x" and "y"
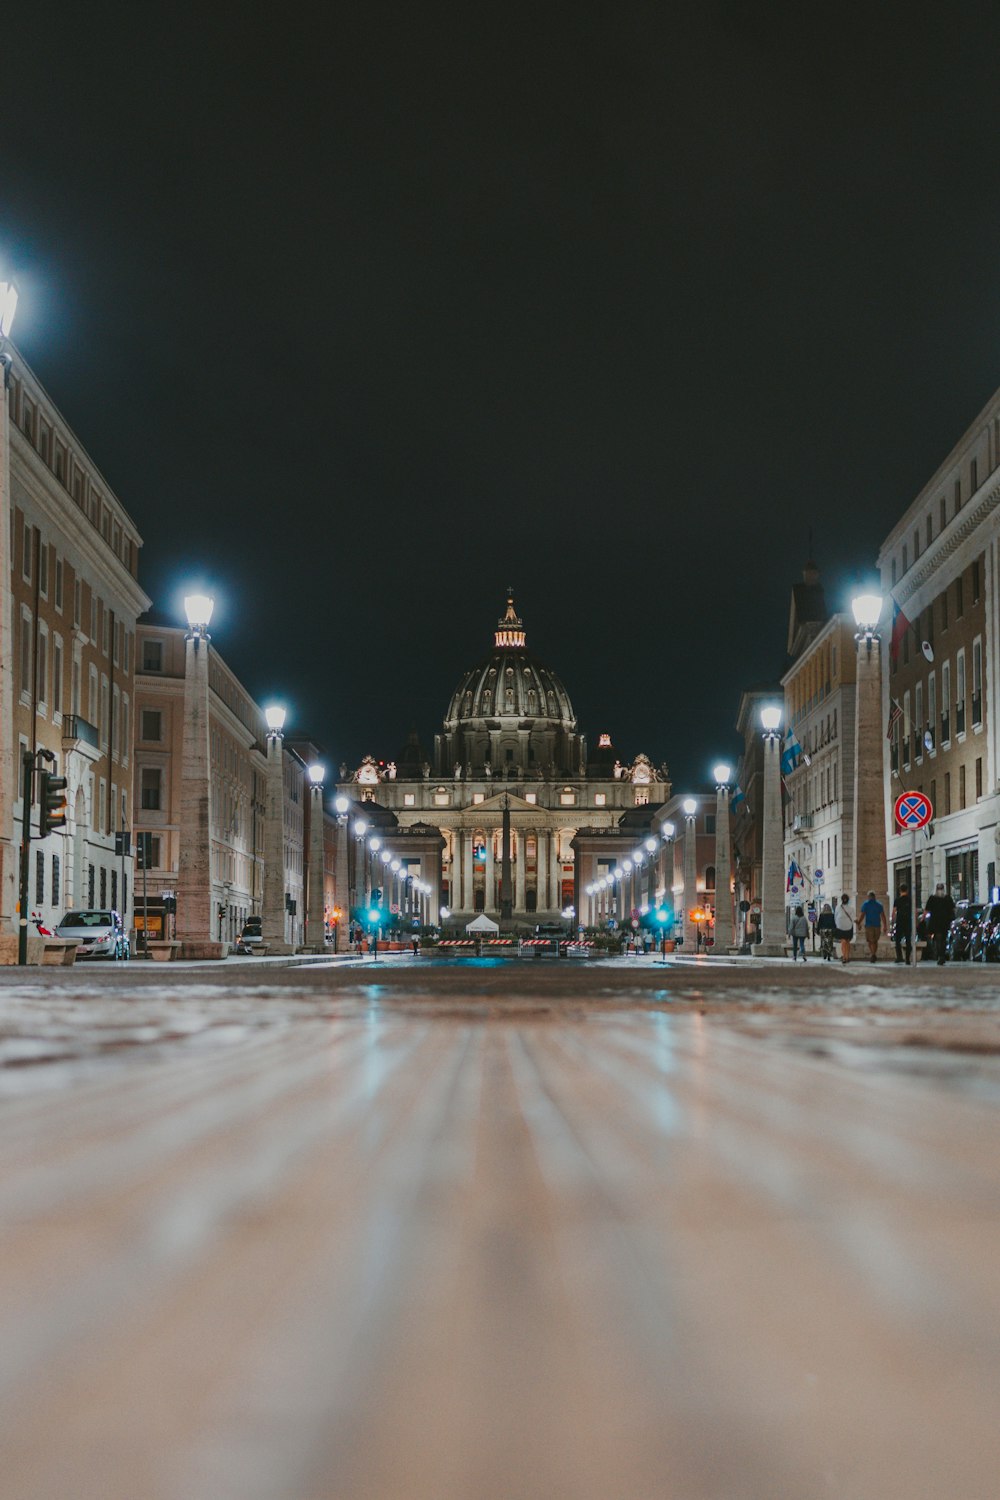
{"x": 202, "y": 948}
{"x": 282, "y": 950}
{"x": 768, "y": 950}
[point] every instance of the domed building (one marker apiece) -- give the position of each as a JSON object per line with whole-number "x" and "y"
{"x": 510, "y": 743}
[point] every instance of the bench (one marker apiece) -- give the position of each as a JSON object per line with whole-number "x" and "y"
{"x": 163, "y": 951}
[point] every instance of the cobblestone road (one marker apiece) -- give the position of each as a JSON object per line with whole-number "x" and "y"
{"x": 500, "y": 1233}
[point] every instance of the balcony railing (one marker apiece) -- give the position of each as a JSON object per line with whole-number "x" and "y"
{"x": 75, "y": 728}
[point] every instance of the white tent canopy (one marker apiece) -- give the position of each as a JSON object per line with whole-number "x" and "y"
{"x": 482, "y": 923}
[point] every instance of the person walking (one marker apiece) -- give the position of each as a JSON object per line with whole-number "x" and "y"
{"x": 800, "y": 931}
{"x": 873, "y": 913}
{"x": 844, "y": 920}
{"x": 940, "y": 915}
{"x": 902, "y": 917}
{"x": 827, "y": 929}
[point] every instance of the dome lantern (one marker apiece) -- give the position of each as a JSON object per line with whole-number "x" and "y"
{"x": 510, "y": 627}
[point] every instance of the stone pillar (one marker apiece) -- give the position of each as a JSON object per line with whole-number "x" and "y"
{"x": 772, "y": 902}
{"x": 542, "y": 868}
{"x": 870, "y": 859}
{"x": 273, "y": 908}
{"x": 468, "y": 887}
{"x": 8, "y": 773}
{"x": 490, "y": 901}
{"x": 195, "y": 921}
{"x": 723, "y": 895}
{"x": 520, "y": 903}
{"x": 555, "y": 873}
{"x": 690, "y": 897}
{"x": 315, "y": 925}
{"x": 342, "y": 880}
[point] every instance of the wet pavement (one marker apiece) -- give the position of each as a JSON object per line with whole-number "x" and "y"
{"x": 500, "y": 1231}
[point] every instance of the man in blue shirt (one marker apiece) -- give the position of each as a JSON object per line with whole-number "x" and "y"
{"x": 873, "y": 916}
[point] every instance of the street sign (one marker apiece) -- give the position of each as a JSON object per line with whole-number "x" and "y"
{"x": 913, "y": 810}
{"x": 167, "y": 895}
{"x": 635, "y": 914}
{"x": 817, "y": 874}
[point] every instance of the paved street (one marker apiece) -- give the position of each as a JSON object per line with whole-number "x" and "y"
{"x": 510, "y": 1232}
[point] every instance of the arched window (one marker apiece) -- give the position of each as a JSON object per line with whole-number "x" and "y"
{"x": 710, "y": 877}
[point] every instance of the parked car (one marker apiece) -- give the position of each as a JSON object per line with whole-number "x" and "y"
{"x": 98, "y": 934}
{"x": 251, "y": 939}
{"x": 984, "y": 943}
{"x": 967, "y": 915}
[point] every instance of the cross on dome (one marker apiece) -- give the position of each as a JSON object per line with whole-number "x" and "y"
{"x": 510, "y": 627}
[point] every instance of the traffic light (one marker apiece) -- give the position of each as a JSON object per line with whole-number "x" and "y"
{"x": 123, "y": 844}
{"x": 143, "y": 851}
{"x": 51, "y": 803}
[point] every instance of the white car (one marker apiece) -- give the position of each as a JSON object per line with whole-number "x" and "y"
{"x": 98, "y": 934}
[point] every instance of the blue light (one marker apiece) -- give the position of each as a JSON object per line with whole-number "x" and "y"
{"x": 374, "y": 914}
{"x": 662, "y": 916}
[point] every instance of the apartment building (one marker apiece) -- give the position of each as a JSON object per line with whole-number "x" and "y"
{"x": 74, "y": 603}
{"x": 939, "y": 564}
{"x": 820, "y": 691}
{"x": 237, "y": 737}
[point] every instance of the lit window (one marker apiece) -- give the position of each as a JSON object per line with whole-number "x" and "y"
{"x": 479, "y": 796}
{"x": 408, "y": 799}
{"x": 567, "y": 798}
{"x": 441, "y": 799}
{"x": 531, "y": 796}
{"x": 600, "y": 800}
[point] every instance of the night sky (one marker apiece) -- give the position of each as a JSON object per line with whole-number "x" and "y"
{"x": 368, "y": 310}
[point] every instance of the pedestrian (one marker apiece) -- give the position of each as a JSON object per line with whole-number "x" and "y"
{"x": 800, "y": 931}
{"x": 416, "y": 945}
{"x": 875, "y": 924}
{"x": 940, "y": 915}
{"x": 844, "y": 920}
{"x": 902, "y": 917}
{"x": 826, "y": 927}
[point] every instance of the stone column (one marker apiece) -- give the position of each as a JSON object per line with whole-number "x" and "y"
{"x": 772, "y": 903}
{"x": 8, "y": 774}
{"x": 542, "y": 868}
{"x": 871, "y": 866}
{"x": 690, "y": 897}
{"x": 555, "y": 873}
{"x": 520, "y": 903}
{"x": 315, "y": 926}
{"x": 273, "y": 908}
{"x": 195, "y": 923}
{"x": 490, "y": 901}
{"x": 468, "y": 886}
{"x": 343, "y": 891}
{"x": 723, "y": 895}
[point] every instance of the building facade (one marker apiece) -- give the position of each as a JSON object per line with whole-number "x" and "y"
{"x": 69, "y": 657}
{"x": 237, "y": 770}
{"x": 939, "y": 565}
{"x": 509, "y": 744}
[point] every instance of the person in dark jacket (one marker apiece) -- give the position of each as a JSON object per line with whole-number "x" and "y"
{"x": 940, "y": 915}
{"x": 827, "y": 929}
{"x": 902, "y": 914}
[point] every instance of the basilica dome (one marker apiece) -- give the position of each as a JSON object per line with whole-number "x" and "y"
{"x": 510, "y": 711}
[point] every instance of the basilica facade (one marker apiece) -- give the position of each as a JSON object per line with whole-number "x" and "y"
{"x": 510, "y": 755}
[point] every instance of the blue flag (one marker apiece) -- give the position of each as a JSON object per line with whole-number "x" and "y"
{"x": 737, "y": 797}
{"x": 791, "y": 753}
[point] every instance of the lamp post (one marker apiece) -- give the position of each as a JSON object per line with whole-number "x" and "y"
{"x": 772, "y": 895}
{"x": 870, "y": 858}
{"x": 723, "y": 895}
{"x": 652, "y": 849}
{"x": 690, "y": 807}
{"x": 8, "y": 774}
{"x": 667, "y": 834}
{"x": 316, "y": 908}
{"x": 194, "y": 924}
{"x": 273, "y": 908}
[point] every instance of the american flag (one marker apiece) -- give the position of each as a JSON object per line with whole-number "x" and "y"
{"x": 895, "y": 714}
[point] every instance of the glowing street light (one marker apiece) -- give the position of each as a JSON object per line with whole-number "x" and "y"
{"x": 867, "y": 611}
{"x": 772, "y": 891}
{"x": 8, "y": 307}
{"x": 275, "y": 716}
{"x": 317, "y": 773}
{"x": 723, "y": 895}
{"x": 198, "y": 608}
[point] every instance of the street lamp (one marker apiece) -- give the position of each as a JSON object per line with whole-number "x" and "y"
{"x": 274, "y": 914}
{"x": 690, "y": 807}
{"x": 723, "y": 896}
{"x": 342, "y": 806}
{"x": 8, "y": 307}
{"x": 772, "y": 894}
{"x": 870, "y": 860}
{"x": 198, "y": 608}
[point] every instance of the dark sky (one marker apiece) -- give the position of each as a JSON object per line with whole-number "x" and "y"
{"x": 368, "y": 310}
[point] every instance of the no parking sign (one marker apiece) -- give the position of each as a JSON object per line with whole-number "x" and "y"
{"x": 913, "y": 810}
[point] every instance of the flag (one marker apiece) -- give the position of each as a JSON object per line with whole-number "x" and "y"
{"x": 895, "y": 714}
{"x": 790, "y": 878}
{"x": 737, "y": 797}
{"x": 791, "y": 753}
{"x": 900, "y": 625}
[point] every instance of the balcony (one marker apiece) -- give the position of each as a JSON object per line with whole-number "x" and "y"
{"x": 79, "y": 734}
